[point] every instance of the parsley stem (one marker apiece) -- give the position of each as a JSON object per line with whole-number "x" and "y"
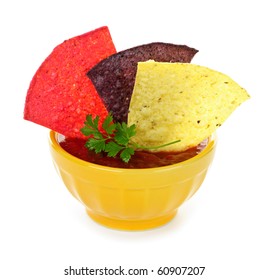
{"x": 153, "y": 147}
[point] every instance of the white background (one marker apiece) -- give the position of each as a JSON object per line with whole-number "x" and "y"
{"x": 224, "y": 227}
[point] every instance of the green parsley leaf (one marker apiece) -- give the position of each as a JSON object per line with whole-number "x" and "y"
{"x": 112, "y": 149}
{"x": 124, "y": 133}
{"x": 96, "y": 145}
{"x": 126, "y": 154}
{"x": 92, "y": 122}
{"x": 108, "y": 125}
{"x": 87, "y": 131}
{"x": 91, "y": 127}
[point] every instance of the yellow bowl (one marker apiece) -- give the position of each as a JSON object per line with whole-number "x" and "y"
{"x": 131, "y": 199}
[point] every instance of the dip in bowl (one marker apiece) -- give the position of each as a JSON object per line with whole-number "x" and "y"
{"x": 131, "y": 199}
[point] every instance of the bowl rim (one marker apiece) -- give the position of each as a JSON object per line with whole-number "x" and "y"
{"x": 53, "y": 142}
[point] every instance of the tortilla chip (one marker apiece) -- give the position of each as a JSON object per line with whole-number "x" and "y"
{"x": 114, "y": 77}
{"x": 183, "y": 101}
{"x": 60, "y": 94}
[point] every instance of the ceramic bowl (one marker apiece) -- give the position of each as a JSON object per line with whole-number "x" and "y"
{"x": 131, "y": 199}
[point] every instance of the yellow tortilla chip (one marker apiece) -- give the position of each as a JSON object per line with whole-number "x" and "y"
{"x": 183, "y": 101}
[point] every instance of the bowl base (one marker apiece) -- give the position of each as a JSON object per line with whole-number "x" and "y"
{"x": 121, "y": 224}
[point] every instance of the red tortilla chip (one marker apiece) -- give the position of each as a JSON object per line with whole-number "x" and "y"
{"x": 60, "y": 94}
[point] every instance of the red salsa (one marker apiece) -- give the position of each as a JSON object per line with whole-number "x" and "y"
{"x": 141, "y": 159}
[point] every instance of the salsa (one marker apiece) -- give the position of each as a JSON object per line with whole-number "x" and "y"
{"x": 141, "y": 159}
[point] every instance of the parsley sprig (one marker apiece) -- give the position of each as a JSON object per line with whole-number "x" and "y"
{"x": 114, "y": 139}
